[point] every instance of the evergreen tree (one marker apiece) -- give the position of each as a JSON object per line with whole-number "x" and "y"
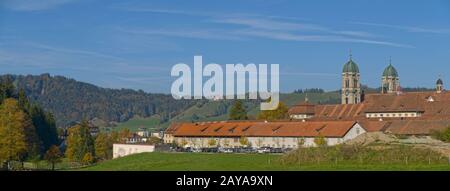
{"x": 45, "y": 127}
{"x": 24, "y": 104}
{"x": 6, "y": 89}
{"x": 237, "y": 111}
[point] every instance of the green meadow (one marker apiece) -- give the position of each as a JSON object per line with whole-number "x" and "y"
{"x": 240, "y": 162}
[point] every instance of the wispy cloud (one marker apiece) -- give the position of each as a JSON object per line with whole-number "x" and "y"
{"x": 70, "y": 51}
{"x": 309, "y": 74}
{"x": 163, "y": 11}
{"x": 315, "y": 38}
{"x": 413, "y": 29}
{"x": 209, "y": 34}
{"x": 268, "y": 24}
{"x": 362, "y": 34}
{"x": 28, "y": 54}
{"x": 247, "y": 26}
{"x": 33, "y": 5}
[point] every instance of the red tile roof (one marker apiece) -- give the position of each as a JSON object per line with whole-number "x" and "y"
{"x": 264, "y": 129}
{"x": 417, "y": 127}
{"x": 303, "y": 108}
{"x": 439, "y": 108}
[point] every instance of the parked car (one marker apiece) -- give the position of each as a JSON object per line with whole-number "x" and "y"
{"x": 225, "y": 150}
{"x": 210, "y": 150}
{"x": 276, "y": 150}
{"x": 263, "y": 150}
{"x": 247, "y": 150}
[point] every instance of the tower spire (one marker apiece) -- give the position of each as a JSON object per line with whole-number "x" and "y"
{"x": 350, "y": 54}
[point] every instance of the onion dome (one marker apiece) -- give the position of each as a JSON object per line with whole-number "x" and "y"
{"x": 390, "y": 71}
{"x": 350, "y": 67}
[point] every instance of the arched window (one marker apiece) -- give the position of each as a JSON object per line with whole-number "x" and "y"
{"x": 347, "y": 83}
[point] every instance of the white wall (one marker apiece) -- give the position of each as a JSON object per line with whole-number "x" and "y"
{"x": 120, "y": 150}
{"x": 355, "y": 131}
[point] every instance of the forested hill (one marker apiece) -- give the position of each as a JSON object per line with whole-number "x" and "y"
{"x": 72, "y": 101}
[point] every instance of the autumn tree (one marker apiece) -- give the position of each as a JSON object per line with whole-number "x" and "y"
{"x": 18, "y": 138}
{"x": 114, "y": 137}
{"x": 103, "y": 146}
{"x": 301, "y": 142}
{"x": 280, "y": 113}
{"x": 237, "y": 111}
{"x": 88, "y": 158}
{"x": 212, "y": 142}
{"x": 320, "y": 141}
{"x": 53, "y": 156}
{"x": 226, "y": 143}
{"x": 183, "y": 143}
{"x": 154, "y": 140}
{"x": 123, "y": 135}
{"x": 244, "y": 141}
{"x": 79, "y": 142}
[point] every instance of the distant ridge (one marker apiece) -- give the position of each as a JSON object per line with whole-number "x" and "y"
{"x": 72, "y": 101}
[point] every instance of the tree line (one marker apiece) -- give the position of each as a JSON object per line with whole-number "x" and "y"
{"x": 239, "y": 111}
{"x": 27, "y": 131}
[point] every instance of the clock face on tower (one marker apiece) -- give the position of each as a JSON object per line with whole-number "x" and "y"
{"x": 346, "y": 92}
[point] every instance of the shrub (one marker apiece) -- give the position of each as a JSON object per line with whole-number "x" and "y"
{"x": 88, "y": 159}
{"x": 348, "y": 154}
{"x": 443, "y": 135}
{"x": 320, "y": 141}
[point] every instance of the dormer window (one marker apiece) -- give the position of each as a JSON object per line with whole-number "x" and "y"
{"x": 430, "y": 99}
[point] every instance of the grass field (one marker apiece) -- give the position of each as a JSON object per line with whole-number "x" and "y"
{"x": 135, "y": 123}
{"x": 234, "y": 162}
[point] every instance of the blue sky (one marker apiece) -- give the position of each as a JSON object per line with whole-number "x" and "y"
{"x": 134, "y": 44}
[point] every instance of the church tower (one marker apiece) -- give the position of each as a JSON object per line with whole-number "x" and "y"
{"x": 351, "y": 87}
{"x": 390, "y": 82}
{"x": 439, "y": 86}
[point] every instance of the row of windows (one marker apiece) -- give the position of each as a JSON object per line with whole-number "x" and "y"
{"x": 393, "y": 115}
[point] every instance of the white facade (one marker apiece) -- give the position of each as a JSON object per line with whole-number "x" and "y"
{"x": 274, "y": 142}
{"x": 120, "y": 150}
{"x": 143, "y": 133}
